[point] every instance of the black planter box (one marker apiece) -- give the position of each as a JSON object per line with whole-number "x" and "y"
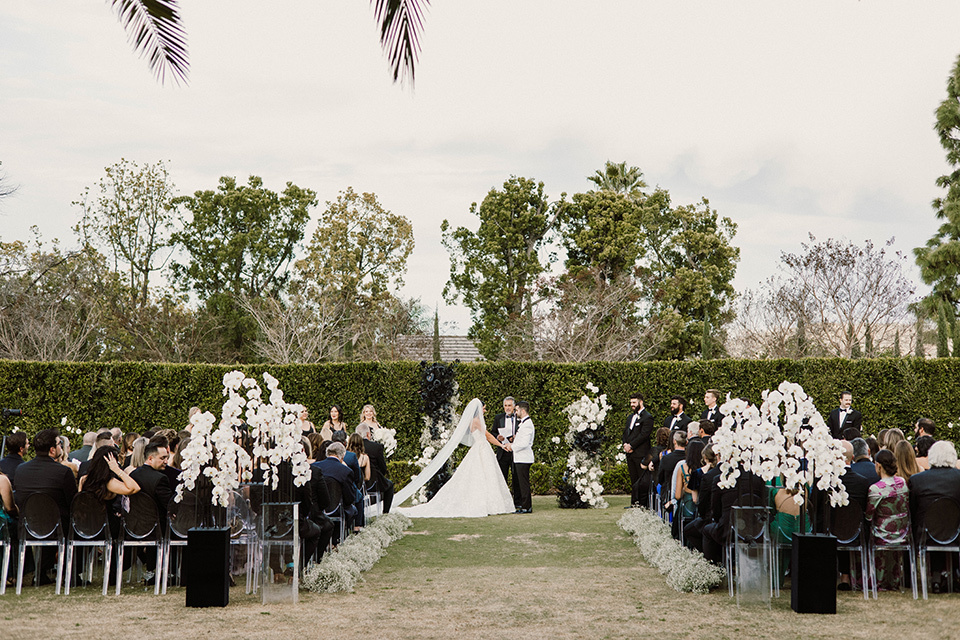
{"x": 814, "y": 574}
{"x": 206, "y": 567}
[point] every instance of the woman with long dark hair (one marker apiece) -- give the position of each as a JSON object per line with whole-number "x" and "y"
{"x": 107, "y": 480}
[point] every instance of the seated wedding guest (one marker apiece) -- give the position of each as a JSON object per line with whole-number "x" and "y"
{"x": 82, "y": 454}
{"x": 923, "y": 450}
{"x": 334, "y": 470}
{"x": 925, "y": 427}
{"x": 749, "y": 490}
{"x": 306, "y": 427}
{"x": 862, "y": 463}
{"x": 335, "y": 423}
{"x": 785, "y": 521}
{"x": 882, "y": 437}
{"x": 175, "y": 465}
{"x": 356, "y": 445}
{"x": 353, "y": 462}
{"x": 379, "y": 474}
{"x": 857, "y": 488}
{"x": 873, "y": 445}
{"x": 192, "y": 412}
{"x": 893, "y": 437}
{"x": 104, "y": 439}
{"x": 709, "y": 474}
{"x": 693, "y": 432}
{"x": 126, "y": 447}
{"x": 669, "y": 464}
{"x": 888, "y": 512}
{"x": 64, "y": 456}
{"x": 17, "y": 447}
{"x": 154, "y": 483}
{"x": 942, "y": 480}
{"x": 137, "y": 455}
{"x": 662, "y": 444}
{"x": 685, "y": 487}
{"x": 707, "y": 430}
{"x": 319, "y": 499}
{"x": 44, "y": 475}
{"x": 850, "y": 433}
{"x": 107, "y": 480}
{"x": 906, "y": 460}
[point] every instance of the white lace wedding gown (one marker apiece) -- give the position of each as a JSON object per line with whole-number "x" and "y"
{"x": 475, "y": 490}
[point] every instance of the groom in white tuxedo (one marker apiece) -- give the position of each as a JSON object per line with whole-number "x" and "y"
{"x": 522, "y": 448}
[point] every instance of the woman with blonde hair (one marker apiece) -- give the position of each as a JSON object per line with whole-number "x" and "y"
{"x": 368, "y": 416}
{"x": 893, "y": 437}
{"x": 137, "y": 456}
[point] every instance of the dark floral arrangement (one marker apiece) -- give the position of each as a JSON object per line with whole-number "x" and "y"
{"x": 438, "y": 390}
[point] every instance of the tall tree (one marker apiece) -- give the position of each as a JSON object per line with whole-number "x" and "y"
{"x": 129, "y": 215}
{"x": 943, "y": 333}
{"x": 6, "y": 188}
{"x": 240, "y": 240}
{"x": 493, "y": 270}
{"x": 619, "y": 178}
{"x": 939, "y": 260}
{"x": 602, "y": 230}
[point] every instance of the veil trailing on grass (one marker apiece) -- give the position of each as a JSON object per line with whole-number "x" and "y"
{"x": 461, "y": 435}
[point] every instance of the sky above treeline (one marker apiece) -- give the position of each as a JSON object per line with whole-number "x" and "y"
{"x": 791, "y": 118}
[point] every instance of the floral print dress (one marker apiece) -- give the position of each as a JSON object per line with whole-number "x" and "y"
{"x": 888, "y": 510}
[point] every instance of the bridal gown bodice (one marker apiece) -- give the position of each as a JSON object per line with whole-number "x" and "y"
{"x": 475, "y": 490}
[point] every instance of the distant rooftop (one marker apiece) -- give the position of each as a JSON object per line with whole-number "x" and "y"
{"x": 452, "y": 348}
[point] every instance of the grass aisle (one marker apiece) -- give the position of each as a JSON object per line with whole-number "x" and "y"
{"x": 553, "y": 574}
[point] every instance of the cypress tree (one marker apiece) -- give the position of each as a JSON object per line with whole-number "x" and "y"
{"x": 896, "y": 344}
{"x": 943, "y": 332}
{"x": 436, "y": 335}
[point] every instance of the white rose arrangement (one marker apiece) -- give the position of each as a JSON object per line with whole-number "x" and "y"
{"x": 585, "y": 437}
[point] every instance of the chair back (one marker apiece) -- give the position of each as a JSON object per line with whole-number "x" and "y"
{"x": 335, "y": 491}
{"x": 182, "y": 515}
{"x": 846, "y": 522}
{"x": 239, "y": 516}
{"x": 142, "y": 522}
{"x": 40, "y": 517}
{"x": 942, "y": 521}
{"x": 88, "y": 517}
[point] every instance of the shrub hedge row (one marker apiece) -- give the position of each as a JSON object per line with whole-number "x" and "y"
{"x": 136, "y": 396}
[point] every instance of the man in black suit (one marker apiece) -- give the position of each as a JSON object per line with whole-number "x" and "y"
{"x": 17, "y": 447}
{"x": 844, "y": 417}
{"x": 749, "y": 490}
{"x": 678, "y": 419}
{"x": 335, "y": 470}
{"x": 857, "y": 488}
{"x": 45, "y": 475}
{"x": 504, "y": 428}
{"x": 379, "y": 475}
{"x": 941, "y": 480}
{"x": 156, "y": 484}
{"x": 712, "y": 412}
{"x": 862, "y": 463}
{"x": 636, "y": 445}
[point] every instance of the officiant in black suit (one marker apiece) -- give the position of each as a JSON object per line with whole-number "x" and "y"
{"x": 504, "y": 429}
{"x": 844, "y": 417}
{"x": 678, "y": 419}
{"x": 636, "y": 445}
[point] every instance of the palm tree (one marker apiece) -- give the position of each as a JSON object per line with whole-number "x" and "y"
{"x": 156, "y": 30}
{"x": 618, "y": 177}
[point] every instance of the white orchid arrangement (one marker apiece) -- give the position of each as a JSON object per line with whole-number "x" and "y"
{"x": 386, "y": 437}
{"x": 586, "y": 414}
{"x": 217, "y": 454}
{"x": 785, "y": 436}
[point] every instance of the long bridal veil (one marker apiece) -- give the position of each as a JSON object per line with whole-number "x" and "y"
{"x": 461, "y": 435}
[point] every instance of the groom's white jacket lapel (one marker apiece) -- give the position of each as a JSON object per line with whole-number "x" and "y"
{"x": 523, "y": 442}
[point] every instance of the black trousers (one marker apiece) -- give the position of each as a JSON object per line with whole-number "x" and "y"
{"x": 635, "y": 468}
{"x": 386, "y": 493}
{"x": 521, "y": 485}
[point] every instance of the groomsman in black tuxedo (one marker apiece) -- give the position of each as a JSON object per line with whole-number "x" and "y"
{"x": 712, "y": 412}
{"x": 844, "y": 417}
{"x": 504, "y": 429}
{"x": 678, "y": 419}
{"x": 636, "y": 444}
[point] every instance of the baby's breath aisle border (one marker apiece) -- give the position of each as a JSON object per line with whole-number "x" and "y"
{"x": 686, "y": 571}
{"x": 340, "y": 569}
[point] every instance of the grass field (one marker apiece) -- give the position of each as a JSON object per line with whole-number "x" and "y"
{"x": 552, "y": 574}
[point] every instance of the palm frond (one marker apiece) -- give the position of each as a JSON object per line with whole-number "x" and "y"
{"x": 401, "y": 24}
{"x": 155, "y": 30}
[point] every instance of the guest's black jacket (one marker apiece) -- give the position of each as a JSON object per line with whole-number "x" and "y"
{"x": 749, "y": 490}
{"x": 378, "y": 463}
{"x": 43, "y": 474}
{"x": 155, "y": 484}
{"x": 639, "y": 437}
{"x": 925, "y": 488}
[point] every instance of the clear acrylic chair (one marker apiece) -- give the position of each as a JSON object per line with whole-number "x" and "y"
{"x": 5, "y": 544}
{"x": 181, "y": 517}
{"x": 941, "y": 533}
{"x": 89, "y": 529}
{"x": 334, "y": 510}
{"x": 748, "y": 547}
{"x": 243, "y": 525}
{"x": 903, "y": 544}
{"x": 846, "y": 523}
{"x": 140, "y": 528}
{"x": 40, "y": 526}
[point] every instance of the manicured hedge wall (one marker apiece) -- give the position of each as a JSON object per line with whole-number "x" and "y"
{"x": 135, "y": 396}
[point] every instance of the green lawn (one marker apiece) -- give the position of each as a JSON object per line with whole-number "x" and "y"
{"x": 552, "y": 574}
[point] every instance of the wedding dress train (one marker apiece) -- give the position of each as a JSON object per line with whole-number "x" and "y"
{"x": 477, "y": 487}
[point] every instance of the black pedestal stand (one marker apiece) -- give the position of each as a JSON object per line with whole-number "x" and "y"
{"x": 814, "y": 574}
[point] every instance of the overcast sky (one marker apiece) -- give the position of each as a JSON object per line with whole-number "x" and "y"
{"x": 791, "y": 118}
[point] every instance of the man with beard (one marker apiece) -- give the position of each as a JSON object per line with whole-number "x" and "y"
{"x": 636, "y": 445}
{"x": 677, "y": 420}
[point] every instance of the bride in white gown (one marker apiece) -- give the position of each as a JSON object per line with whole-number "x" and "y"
{"x": 477, "y": 487}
